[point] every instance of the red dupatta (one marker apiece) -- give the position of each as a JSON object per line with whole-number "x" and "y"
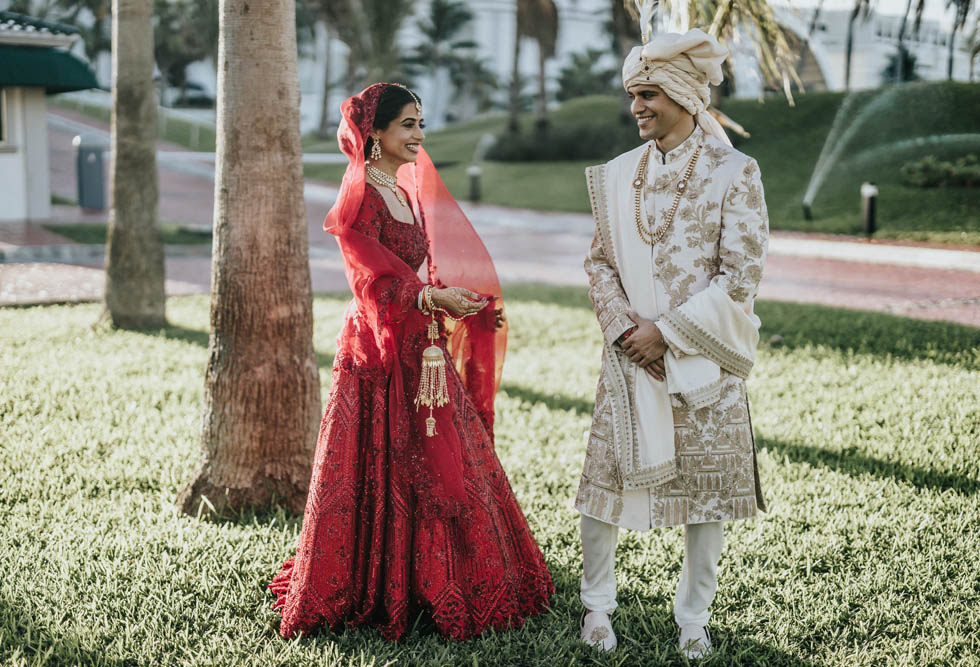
{"x": 457, "y": 257}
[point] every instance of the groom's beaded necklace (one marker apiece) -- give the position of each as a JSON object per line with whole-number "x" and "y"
{"x": 645, "y": 228}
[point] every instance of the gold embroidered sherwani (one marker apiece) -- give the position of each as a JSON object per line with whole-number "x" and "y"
{"x": 719, "y": 235}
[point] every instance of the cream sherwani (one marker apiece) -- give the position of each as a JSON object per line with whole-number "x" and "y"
{"x": 713, "y": 253}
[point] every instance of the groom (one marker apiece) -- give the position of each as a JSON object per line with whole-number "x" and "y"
{"x": 679, "y": 247}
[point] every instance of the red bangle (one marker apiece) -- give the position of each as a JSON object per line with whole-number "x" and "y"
{"x": 629, "y": 332}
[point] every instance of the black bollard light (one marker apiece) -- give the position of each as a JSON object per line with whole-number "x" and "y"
{"x": 475, "y": 172}
{"x": 869, "y": 202}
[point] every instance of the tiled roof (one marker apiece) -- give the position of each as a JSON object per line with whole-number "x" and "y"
{"x": 14, "y": 22}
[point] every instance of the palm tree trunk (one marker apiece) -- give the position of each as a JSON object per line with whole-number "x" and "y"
{"x": 262, "y": 390}
{"x": 324, "y": 130}
{"x": 542, "y": 111}
{"x": 625, "y": 32}
{"x": 849, "y": 48}
{"x": 811, "y": 28}
{"x": 513, "y": 124}
{"x": 949, "y": 55}
{"x": 134, "y": 289}
{"x": 900, "y": 65}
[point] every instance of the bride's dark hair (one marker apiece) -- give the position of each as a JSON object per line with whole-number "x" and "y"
{"x": 390, "y": 105}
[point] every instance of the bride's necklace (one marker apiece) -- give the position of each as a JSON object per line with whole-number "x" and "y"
{"x": 390, "y": 182}
{"x": 645, "y": 229}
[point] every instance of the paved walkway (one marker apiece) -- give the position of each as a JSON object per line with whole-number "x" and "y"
{"x": 39, "y": 266}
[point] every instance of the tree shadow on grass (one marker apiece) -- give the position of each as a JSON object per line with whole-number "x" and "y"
{"x": 875, "y": 334}
{"x": 200, "y": 338}
{"x": 647, "y": 633}
{"x": 856, "y": 464}
{"x": 552, "y": 401}
{"x": 567, "y": 297}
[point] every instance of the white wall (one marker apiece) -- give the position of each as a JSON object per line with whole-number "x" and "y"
{"x": 38, "y": 184}
{"x": 13, "y": 171}
{"x": 25, "y": 191}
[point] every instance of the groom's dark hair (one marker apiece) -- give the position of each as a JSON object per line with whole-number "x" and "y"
{"x": 390, "y": 105}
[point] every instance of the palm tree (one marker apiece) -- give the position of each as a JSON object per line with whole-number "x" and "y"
{"x": 516, "y": 80}
{"x": 323, "y": 128}
{"x": 262, "y": 390}
{"x": 963, "y": 8}
{"x": 476, "y": 84}
{"x": 972, "y": 46}
{"x": 811, "y": 28}
{"x": 315, "y": 11}
{"x": 899, "y": 70}
{"x": 95, "y": 37}
{"x": 726, "y": 18}
{"x": 134, "y": 291}
{"x": 439, "y": 53}
{"x": 902, "y": 64}
{"x": 622, "y": 30}
{"x": 537, "y": 19}
{"x": 861, "y": 8}
{"x": 369, "y": 29}
{"x": 180, "y": 38}
{"x": 582, "y": 76}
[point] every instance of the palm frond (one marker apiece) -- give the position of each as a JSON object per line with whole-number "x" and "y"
{"x": 724, "y": 19}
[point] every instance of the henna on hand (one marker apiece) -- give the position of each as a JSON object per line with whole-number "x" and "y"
{"x": 458, "y": 301}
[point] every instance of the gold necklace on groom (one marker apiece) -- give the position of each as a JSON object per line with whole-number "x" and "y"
{"x": 645, "y": 229}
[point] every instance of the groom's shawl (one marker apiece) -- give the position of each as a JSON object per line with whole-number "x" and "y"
{"x": 705, "y": 275}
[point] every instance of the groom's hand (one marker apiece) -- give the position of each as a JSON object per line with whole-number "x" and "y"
{"x": 646, "y": 347}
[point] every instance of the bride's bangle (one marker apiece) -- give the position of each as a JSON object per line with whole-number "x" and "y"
{"x": 424, "y": 301}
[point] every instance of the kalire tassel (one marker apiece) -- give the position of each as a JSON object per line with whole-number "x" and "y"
{"x": 433, "y": 390}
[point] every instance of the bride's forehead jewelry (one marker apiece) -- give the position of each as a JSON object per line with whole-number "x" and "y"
{"x": 418, "y": 105}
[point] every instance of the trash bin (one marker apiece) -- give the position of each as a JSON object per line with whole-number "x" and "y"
{"x": 90, "y": 168}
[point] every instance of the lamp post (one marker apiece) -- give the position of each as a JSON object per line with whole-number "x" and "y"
{"x": 869, "y": 204}
{"x": 475, "y": 172}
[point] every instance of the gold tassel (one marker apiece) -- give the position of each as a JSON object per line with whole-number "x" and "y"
{"x": 433, "y": 389}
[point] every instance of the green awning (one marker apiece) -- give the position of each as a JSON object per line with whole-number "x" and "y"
{"x": 55, "y": 70}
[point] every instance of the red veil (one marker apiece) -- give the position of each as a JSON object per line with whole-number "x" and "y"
{"x": 457, "y": 257}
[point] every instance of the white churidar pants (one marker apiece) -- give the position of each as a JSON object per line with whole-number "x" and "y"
{"x": 695, "y": 588}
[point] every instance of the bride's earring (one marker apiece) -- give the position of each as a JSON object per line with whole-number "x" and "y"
{"x": 375, "y": 150}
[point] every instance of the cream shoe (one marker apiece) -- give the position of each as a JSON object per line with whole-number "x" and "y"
{"x": 695, "y": 642}
{"x": 597, "y": 630}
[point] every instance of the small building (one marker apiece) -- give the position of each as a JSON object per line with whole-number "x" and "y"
{"x": 34, "y": 63}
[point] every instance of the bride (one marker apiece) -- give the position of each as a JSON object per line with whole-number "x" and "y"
{"x": 409, "y": 509}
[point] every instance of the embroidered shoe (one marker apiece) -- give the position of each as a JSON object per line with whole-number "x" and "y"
{"x": 597, "y": 630}
{"x": 695, "y": 642}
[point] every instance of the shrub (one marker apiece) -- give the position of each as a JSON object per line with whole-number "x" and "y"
{"x": 583, "y": 76}
{"x": 566, "y": 141}
{"x": 930, "y": 172}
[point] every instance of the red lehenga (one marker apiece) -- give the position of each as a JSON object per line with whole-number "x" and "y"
{"x": 398, "y": 523}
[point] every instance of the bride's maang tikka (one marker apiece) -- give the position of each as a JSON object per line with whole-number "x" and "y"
{"x": 418, "y": 105}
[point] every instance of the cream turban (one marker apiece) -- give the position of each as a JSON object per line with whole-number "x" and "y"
{"x": 681, "y": 64}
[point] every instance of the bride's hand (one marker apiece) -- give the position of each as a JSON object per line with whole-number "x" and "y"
{"x": 459, "y": 301}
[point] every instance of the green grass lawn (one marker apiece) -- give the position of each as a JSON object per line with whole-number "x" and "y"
{"x": 195, "y": 136}
{"x": 867, "y": 428}
{"x": 786, "y": 141}
{"x": 86, "y": 232}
